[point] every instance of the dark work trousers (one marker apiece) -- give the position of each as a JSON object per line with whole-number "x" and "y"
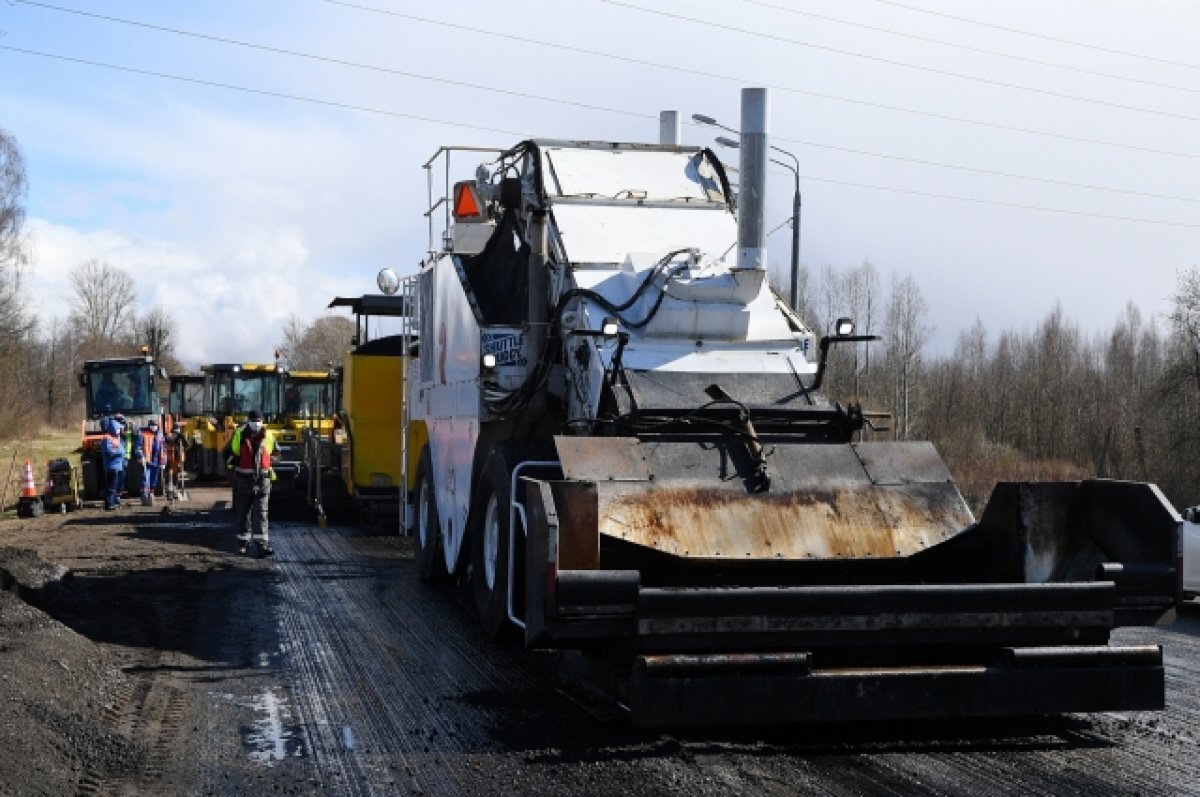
{"x": 251, "y": 494}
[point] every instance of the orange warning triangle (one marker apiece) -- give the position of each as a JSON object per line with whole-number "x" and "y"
{"x": 465, "y": 203}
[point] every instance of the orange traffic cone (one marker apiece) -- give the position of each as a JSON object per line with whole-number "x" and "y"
{"x": 30, "y": 504}
{"x": 28, "y": 488}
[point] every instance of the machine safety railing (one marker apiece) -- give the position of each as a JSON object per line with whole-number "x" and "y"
{"x": 408, "y": 324}
{"x": 441, "y": 198}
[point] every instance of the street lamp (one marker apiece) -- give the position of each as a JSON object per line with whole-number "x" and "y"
{"x": 794, "y": 168}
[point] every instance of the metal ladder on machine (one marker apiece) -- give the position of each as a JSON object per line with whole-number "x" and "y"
{"x": 409, "y": 321}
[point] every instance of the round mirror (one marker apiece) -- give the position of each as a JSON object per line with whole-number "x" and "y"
{"x": 387, "y": 281}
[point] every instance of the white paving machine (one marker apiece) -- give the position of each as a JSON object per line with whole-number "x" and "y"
{"x": 630, "y": 460}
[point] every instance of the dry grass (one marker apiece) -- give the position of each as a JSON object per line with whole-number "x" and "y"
{"x": 977, "y": 465}
{"x": 46, "y": 444}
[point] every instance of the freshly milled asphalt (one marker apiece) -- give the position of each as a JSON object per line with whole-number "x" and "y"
{"x": 329, "y": 669}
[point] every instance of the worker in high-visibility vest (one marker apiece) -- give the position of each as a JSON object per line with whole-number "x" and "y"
{"x": 152, "y": 453}
{"x": 250, "y": 453}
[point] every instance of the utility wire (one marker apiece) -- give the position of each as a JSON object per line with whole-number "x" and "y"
{"x": 509, "y": 37}
{"x": 431, "y": 120}
{"x": 543, "y": 98}
{"x": 904, "y": 64}
{"x": 994, "y": 173}
{"x": 971, "y": 49}
{"x": 1043, "y": 36}
{"x": 998, "y": 203}
{"x": 264, "y": 92}
{"x": 336, "y": 61}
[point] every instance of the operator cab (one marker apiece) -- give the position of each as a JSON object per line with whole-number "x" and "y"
{"x": 123, "y": 384}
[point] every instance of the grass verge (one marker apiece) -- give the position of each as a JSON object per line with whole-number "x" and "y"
{"x": 45, "y": 445}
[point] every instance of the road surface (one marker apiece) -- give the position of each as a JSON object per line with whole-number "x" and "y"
{"x": 329, "y": 669}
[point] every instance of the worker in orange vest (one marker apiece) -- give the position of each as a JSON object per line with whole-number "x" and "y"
{"x": 152, "y": 453}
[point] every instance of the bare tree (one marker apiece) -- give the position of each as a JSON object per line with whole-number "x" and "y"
{"x": 103, "y": 307}
{"x": 1185, "y": 319}
{"x": 14, "y": 244}
{"x": 157, "y": 330}
{"x": 907, "y": 334}
{"x": 293, "y": 334}
{"x": 317, "y": 346}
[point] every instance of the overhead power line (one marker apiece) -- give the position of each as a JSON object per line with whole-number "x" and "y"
{"x": 742, "y": 80}
{"x": 335, "y": 61}
{"x": 1043, "y": 36}
{"x": 991, "y": 172}
{"x": 571, "y": 103}
{"x": 997, "y": 203}
{"x": 972, "y": 49}
{"x": 263, "y": 92}
{"x": 433, "y": 120}
{"x": 903, "y": 64}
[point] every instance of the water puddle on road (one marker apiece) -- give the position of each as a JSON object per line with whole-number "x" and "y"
{"x": 273, "y": 735}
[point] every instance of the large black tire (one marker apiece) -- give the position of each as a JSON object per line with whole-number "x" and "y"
{"x": 489, "y": 530}
{"x": 489, "y": 544}
{"x": 427, "y": 541}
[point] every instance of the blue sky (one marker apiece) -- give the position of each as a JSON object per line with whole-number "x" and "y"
{"x": 240, "y": 184}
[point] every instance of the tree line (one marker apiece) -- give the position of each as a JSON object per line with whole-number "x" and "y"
{"x": 1047, "y": 403}
{"x": 42, "y": 358}
{"x": 1054, "y": 402}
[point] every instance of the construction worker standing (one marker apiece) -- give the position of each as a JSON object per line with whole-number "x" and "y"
{"x": 250, "y": 451}
{"x": 152, "y": 453}
{"x": 112, "y": 453}
{"x": 125, "y": 434}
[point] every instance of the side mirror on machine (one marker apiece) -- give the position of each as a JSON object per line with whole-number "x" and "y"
{"x": 843, "y": 333}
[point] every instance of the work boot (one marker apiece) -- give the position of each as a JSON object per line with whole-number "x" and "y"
{"x": 265, "y": 549}
{"x": 147, "y": 500}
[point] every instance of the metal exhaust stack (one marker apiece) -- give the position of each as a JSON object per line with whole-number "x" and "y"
{"x": 752, "y": 192}
{"x": 668, "y": 128}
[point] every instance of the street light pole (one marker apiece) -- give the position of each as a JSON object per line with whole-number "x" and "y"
{"x": 794, "y": 168}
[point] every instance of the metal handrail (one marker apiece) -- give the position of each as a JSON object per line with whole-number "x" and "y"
{"x": 443, "y": 200}
{"x": 515, "y": 507}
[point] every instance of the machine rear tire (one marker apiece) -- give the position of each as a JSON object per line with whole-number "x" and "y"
{"x": 489, "y": 530}
{"x": 489, "y": 545}
{"x": 431, "y": 562}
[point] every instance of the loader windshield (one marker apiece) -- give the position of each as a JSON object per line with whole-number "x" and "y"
{"x": 126, "y": 388}
{"x": 239, "y": 392}
{"x": 304, "y": 398}
{"x": 186, "y": 398}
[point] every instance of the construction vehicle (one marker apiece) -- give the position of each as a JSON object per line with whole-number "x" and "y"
{"x": 1191, "y": 552}
{"x": 371, "y": 438}
{"x": 125, "y": 385}
{"x": 185, "y": 397}
{"x": 308, "y": 412}
{"x": 185, "y": 401}
{"x": 231, "y": 390}
{"x": 631, "y": 461}
{"x": 293, "y": 405}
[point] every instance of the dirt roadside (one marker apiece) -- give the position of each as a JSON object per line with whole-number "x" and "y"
{"x": 92, "y": 605}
